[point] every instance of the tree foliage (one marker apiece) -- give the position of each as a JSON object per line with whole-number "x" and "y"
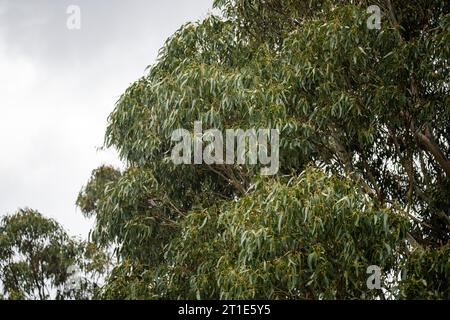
{"x": 38, "y": 260}
{"x": 364, "y": 120}
{"x": 302, "y": 237}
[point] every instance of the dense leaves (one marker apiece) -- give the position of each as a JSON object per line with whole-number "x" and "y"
{"x": 366, "y": 112}
{"x": 309, "y": 237}
{"x": 38, "y": 260}
{"x": 427, "y": 274}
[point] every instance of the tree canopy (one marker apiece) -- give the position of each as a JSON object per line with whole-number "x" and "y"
{"x": 38, "y": 260}
{"x": 364, "y": 121}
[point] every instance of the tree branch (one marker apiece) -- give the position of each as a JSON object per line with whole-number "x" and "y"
{"x": 427, "y": 142}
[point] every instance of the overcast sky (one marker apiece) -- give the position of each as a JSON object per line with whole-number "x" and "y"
{"x": 57, "y": 87}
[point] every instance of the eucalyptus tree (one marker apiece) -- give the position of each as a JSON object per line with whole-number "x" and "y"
{"x": 38, "y": 260}
{"x": 364, "y": 121}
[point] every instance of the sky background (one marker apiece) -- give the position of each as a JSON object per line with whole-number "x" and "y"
{"x": 58, "y": 86}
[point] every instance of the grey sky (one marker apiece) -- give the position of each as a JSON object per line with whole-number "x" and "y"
{"x": 57, "y": 87}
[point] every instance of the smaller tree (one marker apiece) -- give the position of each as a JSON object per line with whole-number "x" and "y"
{"x": 38, "y": 260}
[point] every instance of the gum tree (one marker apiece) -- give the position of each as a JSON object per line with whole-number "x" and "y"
{"x": 368, "y": 109}
{"x": 38, "y": 260}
